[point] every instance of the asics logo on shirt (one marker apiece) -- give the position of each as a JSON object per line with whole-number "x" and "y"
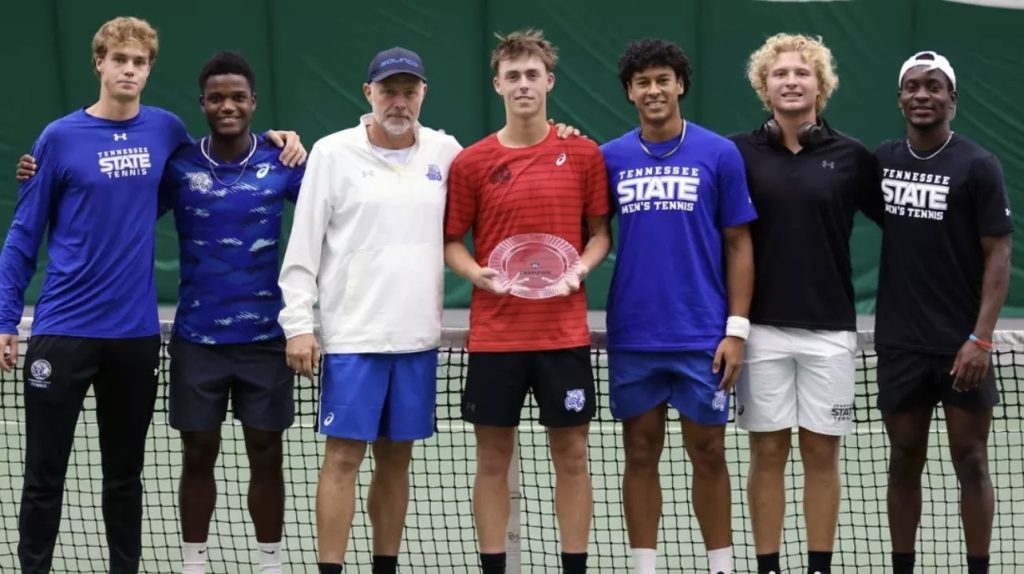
{"x": 561, "y": 159}
{"x": 262, "y": 169}
{"x": 914, "y": 194}
{"x": 127, "y": 162}
{"x": 660, "y": 188}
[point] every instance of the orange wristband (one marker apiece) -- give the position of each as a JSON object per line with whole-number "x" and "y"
{"x": 987, "y": 345}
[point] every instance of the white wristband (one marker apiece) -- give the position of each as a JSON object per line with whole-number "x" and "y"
{"x": 736, "y": 326}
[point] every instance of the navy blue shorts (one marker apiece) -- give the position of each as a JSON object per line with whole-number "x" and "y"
{"x": 254, "y": 375}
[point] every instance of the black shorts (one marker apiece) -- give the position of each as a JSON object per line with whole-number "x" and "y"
{"x": 911, "y": 379}
{"x": 254, "y": 374}
{"x": 561, "y": 380}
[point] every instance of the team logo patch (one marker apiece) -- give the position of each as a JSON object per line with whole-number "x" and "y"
{"x": 199, "y": 181}
{"x": 433, "y": 172}
{"x": 328, "y": 419}
{"x": 720, "y": 401}
{"x": 41, "y": 369}
{"x": 39, "y": 374}
{"x": 262, "y": 169}
{"x": 575, "y": 399}
{"x": 842, "y": 412}
{"x": 501, "y": 174}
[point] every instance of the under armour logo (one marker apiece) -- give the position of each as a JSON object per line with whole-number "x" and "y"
{"x": 120, "y": 137}
{"x": 367, "y": 174}
{"x": 828, "y": 164}
{"x": 156, "y": 372}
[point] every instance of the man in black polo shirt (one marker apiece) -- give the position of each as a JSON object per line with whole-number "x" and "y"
{"x": 806, "y": 181}
{"x": 943, "y": 279}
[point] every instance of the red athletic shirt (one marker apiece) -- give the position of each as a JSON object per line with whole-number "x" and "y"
{"x": 497, "y": 192}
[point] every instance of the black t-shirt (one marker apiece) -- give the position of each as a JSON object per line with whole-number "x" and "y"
{"x": 936, "y": 211}
{"x": 805, "y": 206}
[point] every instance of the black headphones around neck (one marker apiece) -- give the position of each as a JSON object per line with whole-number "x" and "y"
{"x": 809, "y": 134}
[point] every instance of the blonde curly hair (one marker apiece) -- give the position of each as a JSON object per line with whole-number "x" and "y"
{"x": 812, "y": 50}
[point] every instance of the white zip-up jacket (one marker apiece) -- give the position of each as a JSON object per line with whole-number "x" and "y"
{"x": 367, "y": 242}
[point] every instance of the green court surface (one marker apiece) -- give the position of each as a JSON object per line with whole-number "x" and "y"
{"x": 439, "y": 533}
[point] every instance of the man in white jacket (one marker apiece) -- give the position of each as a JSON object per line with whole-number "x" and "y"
{"x": 367, "y": 244}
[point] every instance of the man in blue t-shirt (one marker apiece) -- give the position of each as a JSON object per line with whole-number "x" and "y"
{"x": 679, "y": 297}
{"x": 228, "y": 193}
{"x": 96, "y": 319}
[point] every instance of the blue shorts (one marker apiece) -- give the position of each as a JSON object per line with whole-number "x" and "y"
{"x": 365, "y": 396}
{"x": 641, "y": 380}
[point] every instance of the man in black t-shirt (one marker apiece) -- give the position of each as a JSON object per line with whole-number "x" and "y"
{"x": 943, "y": 279}
{"x": 807, "y": 181}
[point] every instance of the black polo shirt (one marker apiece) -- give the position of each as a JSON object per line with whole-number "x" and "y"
{"x": 936, "y": 212}
{"x": 805, "y": 205}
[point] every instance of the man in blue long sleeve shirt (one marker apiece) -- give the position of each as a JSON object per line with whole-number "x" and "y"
{"x": 96, "y": 320}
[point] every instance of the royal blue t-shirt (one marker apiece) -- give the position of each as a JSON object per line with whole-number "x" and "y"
{"x": 668, "y": 291}
{"x": 94, "y": 196}
{"x": 228, "y": 216}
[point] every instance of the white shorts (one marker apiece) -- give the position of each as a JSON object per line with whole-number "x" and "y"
{"x": 797, "y": 377}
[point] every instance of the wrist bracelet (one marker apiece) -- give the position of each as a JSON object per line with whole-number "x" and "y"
{"x": 736, "y": 326}
{"x": 986, "y": 345}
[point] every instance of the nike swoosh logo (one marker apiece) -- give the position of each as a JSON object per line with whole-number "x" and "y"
{"x": 203, "y": 551}
{"x": 271, "y": 552}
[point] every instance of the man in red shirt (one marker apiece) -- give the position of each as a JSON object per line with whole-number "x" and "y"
{"x": 523, "y": 179}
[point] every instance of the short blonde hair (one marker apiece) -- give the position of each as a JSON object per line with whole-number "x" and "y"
{"x": 122, "y": 30}
{"x": 528, "y": 42}
{"x": 813, "y": 52}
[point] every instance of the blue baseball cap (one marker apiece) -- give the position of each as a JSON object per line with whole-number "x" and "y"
{"x": 395, "y": 61}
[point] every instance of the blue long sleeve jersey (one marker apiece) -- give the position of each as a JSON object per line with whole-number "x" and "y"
{"x": 95, "y": 198}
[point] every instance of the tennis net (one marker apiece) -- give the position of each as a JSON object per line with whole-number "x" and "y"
{"x": 439, "y": 536}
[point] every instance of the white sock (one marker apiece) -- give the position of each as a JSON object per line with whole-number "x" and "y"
{"x": 193, "y": 558}
{"x": 720, "y": 561}
{"x": 270, "y": 557}
{"x": 644, "y": 560}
